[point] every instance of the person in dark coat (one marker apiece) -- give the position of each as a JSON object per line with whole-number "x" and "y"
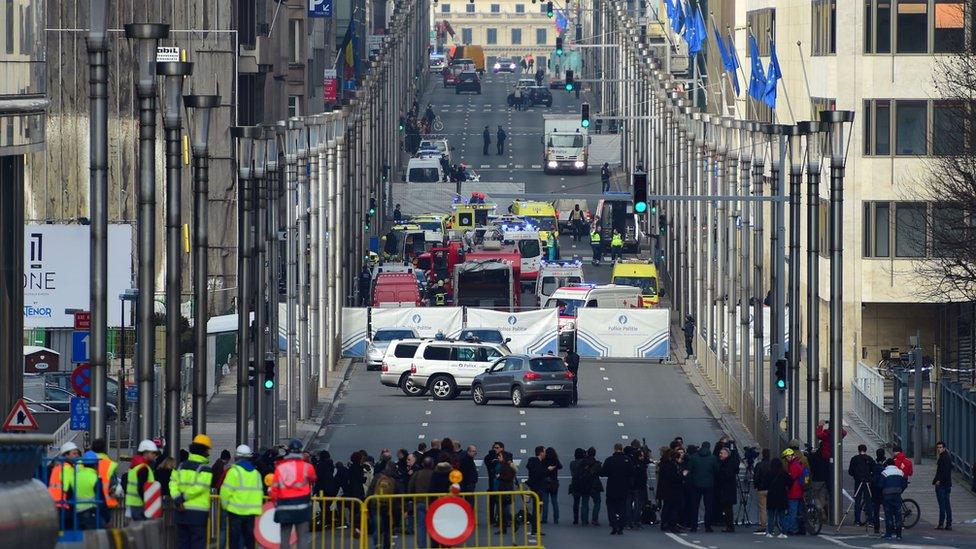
{"x": 575, "y": 488}
{"x": 689, "y": 330}
{"x": 500, "y": 140}
{"x": 943, "y": 486}
{"x": 440, "y": 481}
{"x": 218, "y": 469}
{"x": 776, "y": 502}
{"x": 356, "y": 478}
{"x": 486, "y": 138}
{"x": 572, "y": 364}
{"x": 591, "y": 487}
{"x": 553, "y": 466}
{"x": 469, "y": 469}
{"x": 538, "y": 477}
{"x": 669, "y": 491}
{"x": 760, "y": 481}
{"x": 880, "y": 460}
{"x": 726, "y": 487}
{"x": 618, "y": 470}
{"x": 325, "y": 476}
{"x": 702, "y": 472}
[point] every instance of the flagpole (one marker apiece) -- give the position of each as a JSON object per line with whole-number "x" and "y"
{"x": 742, "y": 73}
{"x": 735, "y": 106}
{"x": 785, "y": 94}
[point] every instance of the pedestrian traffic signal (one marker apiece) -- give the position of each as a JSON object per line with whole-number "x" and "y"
{"x": 401, "y": 124}
{"x": 549, "y": 12}
{"x": 780, "y": 373}
{"x": 269, "y": 375}
{"x": 372, "y": 206}
{"x": 585, "y": 115}
{"x": 569, "y": 81}
{"x": 559, "y": 44}
{"x": 251, "y": 374}
{"x": 662, "y": 224}
{"x": 640, "y": 192}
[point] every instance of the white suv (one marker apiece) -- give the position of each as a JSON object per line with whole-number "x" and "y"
{"x": 445, "y": 368}
{"x": 395, "y": 367}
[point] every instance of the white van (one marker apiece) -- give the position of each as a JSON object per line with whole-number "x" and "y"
{"x": 424, "y": 170}
{"x": 572, "y": 298}
{"x": 555, "y": 275}
{"x": 528, "y": 243}
{"x": 446, "y": 367}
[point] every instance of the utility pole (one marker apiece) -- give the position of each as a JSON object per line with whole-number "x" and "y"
{"x": 795, "y": 143}
{"x": 814, "y": 140}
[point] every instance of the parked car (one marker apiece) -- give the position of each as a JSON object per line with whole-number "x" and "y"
{"x": 60, "y": 400}
{"x": 446, "y": 367}
{"x": 524, "y": 379}
{"x": 450, "y": 75}
{"x": 395, "y": 369}
{"x": 468, "y": 81}
{"x": 485, "y": 335}
{"x": 505, "y": 64}
{"x": 382, "y": 338}
{"x": 62, "y": 380}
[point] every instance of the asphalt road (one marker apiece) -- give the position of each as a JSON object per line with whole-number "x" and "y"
{"x": 619, "y": 401}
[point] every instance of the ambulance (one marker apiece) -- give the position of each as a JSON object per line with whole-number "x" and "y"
{"x": 542, "y": 217}
{"x": 641, "y": 273}
{"x": 528, "y": 243}
{"x": 557, "y": 274}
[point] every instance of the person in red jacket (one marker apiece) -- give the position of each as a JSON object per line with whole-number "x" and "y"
{"x": 823, "y": 436}
{"x": 902, "y": 462}
{"x": 795, "y": 493}
{"x": 291, "y": 492}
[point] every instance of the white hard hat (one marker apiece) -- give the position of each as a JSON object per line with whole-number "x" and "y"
{"x": 147, "y": 446}
{"x": 244, "y": 451}
{"x": 68, "y": 447}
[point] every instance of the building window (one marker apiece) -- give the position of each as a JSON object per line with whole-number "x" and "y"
{"x": 915, "y": 26}
{"x": 519, "y": 8}
{"x": 949, "y": 120}
{"x": 445, "y": 8}
{"x": 918, "y": 127}
{"x": 466, "y": 36}
{"x": 491, "y": 36}
{"x": 910, "y": 128}
{"x": 821, "y": 104}
{"x": 762, "y": 23}
{"x": 496, "y": 8}
{"x": 246, "y": 22}
{"x": 294, "y": 105}
{"x": 540, "y": 36}
{"x": 949, "y": 230}
{"x": 295, "y": 40}
{"x": 910, "y": 229}
{"x": 469, "y": 8}
{"x": 824, "y": 27}
{"x": 516, "y": 37}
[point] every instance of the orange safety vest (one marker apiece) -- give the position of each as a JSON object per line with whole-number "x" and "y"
{"x": 104, "y": 474}
{"x": 55, "y": 486}
{"x": 293, "y": 478}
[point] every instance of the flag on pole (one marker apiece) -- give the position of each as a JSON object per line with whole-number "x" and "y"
{"x": 678, "y": 21}
{"x": 561, "y": 21}
{"x": 772, "y": 77}
{"x": 349, "y": 55}
{"x": 728, "y": 57}
{"x": 734, "y": 68}
{"x": 669, "y": 7}
{"x": 757, "y": 80}
{"x": 695, "y": 33}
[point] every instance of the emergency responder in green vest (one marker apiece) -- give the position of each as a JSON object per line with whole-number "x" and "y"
{"x": 551, "y": 247}
{"x": 616, "y": 245}
{"x": 189, "y": 486}
{"x": 241, "y": 496}
{"x": 596, "y": 242}
{"x": 437, "y": 294}
{"x": 87, "y": 488}
{"x": 140, "y": 474}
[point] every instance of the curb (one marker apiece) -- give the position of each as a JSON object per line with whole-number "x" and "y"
{"x": 322, "y": 418}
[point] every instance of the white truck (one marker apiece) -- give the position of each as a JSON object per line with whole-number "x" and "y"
{"x": 565, "y": 144}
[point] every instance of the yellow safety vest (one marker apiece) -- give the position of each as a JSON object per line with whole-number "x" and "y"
{"x": 192, "y": 481}
{"x": 439, "y": 298}
{"x": 86, "y": 480}
{"x": 132, "y": 498}
{"x": 595, "y": 237}
{"x": 242, "y": 492}
{"x": 616, "y": 241}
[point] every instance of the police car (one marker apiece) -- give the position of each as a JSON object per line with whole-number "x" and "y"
{"x": 445, "y": 368}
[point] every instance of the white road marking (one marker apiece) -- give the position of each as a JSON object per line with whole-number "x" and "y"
{"x": 680, "y": 541}
{"x": 424, "y": 424}
{"x": 521, "y": 412}
{"x": 837, "y": 541}
{"x": 620, "y": 424}
{"x": 427, "y": 412}
{"x": 602, "y": 369}
{"x": 625, "y": 437}
{"x": 523, "y": 435}
{"x": 616, "y": 412}
{"x": 609, "y": 388}
{"x": 421, "y": 436}
{"x": 522, "y": 451}
{"x": 536, "y": 166}
{"x": 522, "y": 423}
{"x": 485, "y": 166}
{"x": 605, "y": 378}
{"x": 613, "y": 401}
{"x": 518, "y": 166}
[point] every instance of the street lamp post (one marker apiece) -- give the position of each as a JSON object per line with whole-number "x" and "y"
{"x": 271, "y": 135}
{"x": 258, "y": 246}
{"x": 743, "y": 128}
{"x": 835, "y": 122}
{"x": 795, "y": 141}
{"x": 776, "y": 136}
{"x": 199, "y": 108}
{"x": 146, "y": 37}
{"x": 758, "y": 147}
{"x": 173, "y": 73}
{"x": 293, "y": 134}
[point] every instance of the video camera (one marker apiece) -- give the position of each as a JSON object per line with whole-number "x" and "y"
{"x": 751, "y": 454}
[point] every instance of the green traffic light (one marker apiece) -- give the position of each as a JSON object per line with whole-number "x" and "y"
{"x": 269, "y": 384}
{"x": 780, "y": 383}
{"x": 654, "y": 210}
{"x": 640, "y": 207}
{"x": 372, "y": 211}
{"x": 569, "y": 87}
{"x": 585, "y": 123}
{"x": 549, "y": 14}
{"x": 559, "y": 51}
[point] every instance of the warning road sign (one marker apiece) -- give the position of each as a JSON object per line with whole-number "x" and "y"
{"x": 20, "y": 419}
{"x": 450, "y": 520}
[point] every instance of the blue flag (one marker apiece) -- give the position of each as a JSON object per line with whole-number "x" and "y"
{"x": 561, "y": 21}
{"x": 772, "y": 77}
{"x": 722, "y": 50}
{"x": 678, "y": 21}
{"x": 734, "y": 68}
{"x": 757, "y": 80}
{"x": 695, "y": 33}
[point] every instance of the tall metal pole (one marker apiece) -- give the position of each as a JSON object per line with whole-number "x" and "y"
{"x": 291, "y": 204}
{"x": 746, "y": 150}
{"x": 258, "y": 248}
{"x": 777, "y": 242}
{"x": 315, "y": 145}
{"x": 795, "y": 139}
{"x": 835, "y": 121}
{"x": 729, "y": 251}
{"x": 758, "y": 292}
{"x": 303, "y": 335}
{"x": 98, "y": 206}
{"x": 271, "y": 272}
{"x": 814, "y": 139}
{"x": 173, "y": 73}
{"x": 146, "y": 36}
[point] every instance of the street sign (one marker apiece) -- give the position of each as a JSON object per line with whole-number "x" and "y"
{"x": 79, "y": 414}
{"x": 374, "y": 42}
{"x": 330, "y": 86}
{"x": 166, "y": 54}
{"x": 132, "y": 393}
{"x": 83, "y": 320}
{"x": 450, "y": 520}
{"x": 320, "y": 8}
{"x": 268, "y": 532}
{"x": 79, "y": 346}
{"x": 81, "y": 380}
{"x": 20, "y": 418}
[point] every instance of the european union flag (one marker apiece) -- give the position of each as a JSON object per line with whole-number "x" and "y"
{"x": 729, "y": 59}
{"x": 678, "y": 21}
{"x": 735, "y": 65}
{"x": 757, "y": 80}
{"x": 695, "y": 33}
{"x": 772, "y": 77}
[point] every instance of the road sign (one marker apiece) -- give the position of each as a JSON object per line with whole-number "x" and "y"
{"x": 320, "y": 8}
{"x": 81, "y": 380}
{"x": 79, "y": 414}
{"x": 330, "y": 85}
{"x": 152, "y": 505}
{"x": 20, "y": 418}
{"x": 450, "y": 520}
{"x": 268, "y": 532}
{"x": 83, "y": 320}
{"x": 132, "y": 393}
{"x": 79, "y": 346}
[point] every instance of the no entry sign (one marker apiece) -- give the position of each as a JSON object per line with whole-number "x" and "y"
{"x": 450, "y": 520}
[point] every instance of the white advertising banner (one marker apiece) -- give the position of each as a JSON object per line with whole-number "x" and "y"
{"x": 622, "y": 333}
{"x": 532, "y": 332}
{"x": 56, "y": 273}
{"x": 354, "y": 333}
{"x": 426, "y": 321}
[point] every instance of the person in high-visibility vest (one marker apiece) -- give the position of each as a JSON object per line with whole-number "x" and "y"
{"x": 596, "y": 242}
{"x": 106, "y": 473}
{"x": 242, "y": 496}
{"x": 616, "y": 245}
{"x": 61, "y": 480}
{"x": 88, "y": 492}
{"x": 140, "y": 473}
{"x": 437, "y": 294}
{"x": 190, "y": 489}
{"x": 291, "y": 491}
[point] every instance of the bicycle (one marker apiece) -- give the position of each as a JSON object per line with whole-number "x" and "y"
{"x": 437, "y": 125}
{"x": 910, "y": 513}
{"x": 813, "y": 515}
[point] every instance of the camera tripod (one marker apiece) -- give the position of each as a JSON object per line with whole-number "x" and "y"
{"x": 742, "y": 511}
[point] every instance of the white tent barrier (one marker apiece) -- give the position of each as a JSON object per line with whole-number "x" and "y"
{"x": 623, "y": 333}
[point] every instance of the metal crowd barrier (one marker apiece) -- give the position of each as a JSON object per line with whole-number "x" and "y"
{"x": 958, "y": 420}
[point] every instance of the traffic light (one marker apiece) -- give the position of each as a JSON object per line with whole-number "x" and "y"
{"x": 780, "y": 373}
{"x": 559, "y": 43}
{"x": 251, "y": 374}
{"x": 653, "y": 207}
{"x": 269, "y": 375}
{"x": 372, "y": 206}
{"x": 585, "y": 115}
{"x": 579, "y": 33}
{"x": 549, "y": 12}
{"x": 662, "y": 224}
{"x": 569, "y": 81}
{"x": 640, "y": 192}
{"x": 401, "y": 124}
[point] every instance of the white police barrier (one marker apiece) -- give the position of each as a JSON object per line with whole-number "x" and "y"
{"x": 426, "y": 321}
{"x": 532, "y": 332}
{"x": 622, "y": 333}
{"x": 354, "y": 331}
